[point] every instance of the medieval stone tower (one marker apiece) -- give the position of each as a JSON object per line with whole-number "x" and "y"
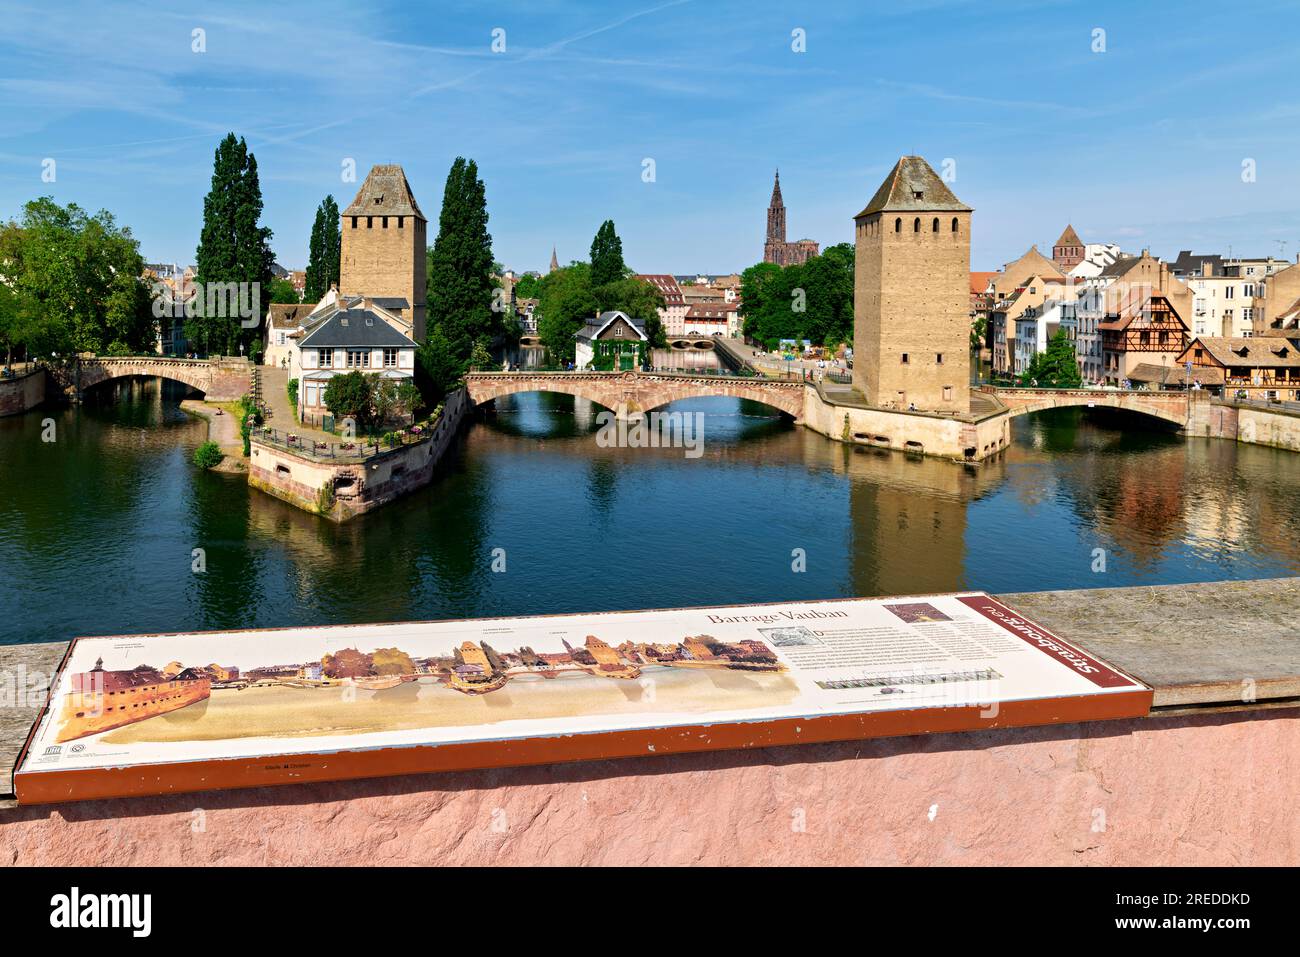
{"x": 383, "y": 246}
{"x": 911, "y": 297}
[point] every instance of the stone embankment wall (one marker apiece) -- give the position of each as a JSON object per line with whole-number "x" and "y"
{"x": 963, "y": 438}
{"x": 355, "y": 487}
{"x": 23, "y": 393}
{"x": 1256, "y": 425}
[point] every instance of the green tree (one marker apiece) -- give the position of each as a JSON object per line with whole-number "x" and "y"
{"x": 281, "y": 290}
{"x": 460, "y": 264}
{"x": 529, "y": 286}
{"x": 567, "y": 302}
{"x": 232, "y": 248}
{"x": 757, "y": 288}
{"x": 324, "y": 251}
{"x": 72, "y": 283}
{"x": 438, "y": 370}
{"x": 351, "y": 395}
{"x": 1057, "y": 367}
{"x": 606, "y": 255}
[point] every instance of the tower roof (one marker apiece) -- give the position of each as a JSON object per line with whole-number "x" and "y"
{"x": 1069, "y": 237}
{"x": 776, "y": 191}
{"x": 385, "y": 193}
{"x": 555, "y": 263}
{"x": 913, "y": 185}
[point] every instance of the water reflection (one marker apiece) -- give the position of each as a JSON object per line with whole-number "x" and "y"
{"x": 98, "y": 528}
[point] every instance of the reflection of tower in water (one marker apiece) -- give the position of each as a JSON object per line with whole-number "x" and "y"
{"x": 907, "y": 520}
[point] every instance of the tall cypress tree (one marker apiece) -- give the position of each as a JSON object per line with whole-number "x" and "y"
{"x": 324, "y": 252}
{"x": 233, "y": 248}
{"x": 606, "y": 255}
{"x": 460, "y": 264}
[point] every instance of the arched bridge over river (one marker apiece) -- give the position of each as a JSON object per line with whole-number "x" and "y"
{"x": 630, "y": 393}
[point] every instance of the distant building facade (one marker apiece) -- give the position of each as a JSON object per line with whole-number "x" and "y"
{"x": 775, "y": 248}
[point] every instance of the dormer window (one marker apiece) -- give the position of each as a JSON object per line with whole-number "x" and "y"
{"x": 917, "y": 194}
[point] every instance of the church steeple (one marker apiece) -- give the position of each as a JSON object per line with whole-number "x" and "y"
{"x": 776, "y": 213}
{"x": 555, "y": 263}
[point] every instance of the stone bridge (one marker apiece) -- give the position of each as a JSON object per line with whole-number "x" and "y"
{"x": 221, "y": 379}
{"x": 1172, "y": 407}
{"x": 629, "y": 393}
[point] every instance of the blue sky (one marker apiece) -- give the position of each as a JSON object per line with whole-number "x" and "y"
{"x": 1142, "y": 144}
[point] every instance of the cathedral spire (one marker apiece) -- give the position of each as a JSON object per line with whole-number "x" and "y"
{"x": 776, "y": 191}
{"x": 555, "y": 263}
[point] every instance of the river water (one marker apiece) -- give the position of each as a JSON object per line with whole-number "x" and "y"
{"x": 98, "y": 528}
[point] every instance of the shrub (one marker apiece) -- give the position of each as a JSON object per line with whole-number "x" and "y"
{"x": 208, "y": 455}
{"x": 293, "y": 394}
{"x": 325, "y": 499}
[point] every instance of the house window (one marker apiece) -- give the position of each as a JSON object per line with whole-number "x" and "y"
{"x": 279, "y": 338}
{"x": 358, "y": 358}
{"x": 618, "y": 332}
{"x": 325, "y": 357}
{"x": 390, "y": 358}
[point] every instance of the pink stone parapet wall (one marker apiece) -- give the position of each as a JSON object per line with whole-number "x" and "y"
{"x": 1192, "y": 790}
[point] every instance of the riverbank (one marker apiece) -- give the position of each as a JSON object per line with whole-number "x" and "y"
{"x": 223, "y": 428}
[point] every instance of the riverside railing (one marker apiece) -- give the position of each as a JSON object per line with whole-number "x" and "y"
{"x": 309, "y": 446}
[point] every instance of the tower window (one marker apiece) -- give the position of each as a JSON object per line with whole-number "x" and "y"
{"x": 916, "y": 225}
{"x": 934, "y": 228}
{"x": 954, "y": 224}
{"x": 370, "y": 222}
{"x": 904, "y": 358}
{"x": 354, "y": 222}
{"x": 898, "y": 224}
{"x": 399, "y": 221}
{"x": 938, "y": 358}
{"x": 383, "y": 222}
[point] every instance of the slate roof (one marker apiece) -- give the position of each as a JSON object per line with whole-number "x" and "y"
{"x": 594, "y": 328}
{"x": 911, "y": 176}
{"x": 384, "y": 193}
{"x": 1189, "y": 264}
{"x": 359, "y": 327}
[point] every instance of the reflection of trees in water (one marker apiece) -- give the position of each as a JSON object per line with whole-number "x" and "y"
{"x": 233, "y": 583}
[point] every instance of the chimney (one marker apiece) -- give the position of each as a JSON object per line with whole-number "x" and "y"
{"x": 1207, "y": 268}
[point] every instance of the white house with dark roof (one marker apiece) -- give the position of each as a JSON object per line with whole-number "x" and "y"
{"x": 345, "y": 334}
{"x": 614, "y": 327}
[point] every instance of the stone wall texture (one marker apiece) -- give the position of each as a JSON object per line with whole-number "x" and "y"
{"x": 638, "y": 391}
{"x": 1190, "y": 790}
{"x": 23, "y": 393}
{"x": 912, "y": 298}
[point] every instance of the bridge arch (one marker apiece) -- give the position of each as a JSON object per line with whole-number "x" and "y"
{"x": 1169, "y": 407}
{"x": 218, "y": 379}
{"x": 637, "y": 391}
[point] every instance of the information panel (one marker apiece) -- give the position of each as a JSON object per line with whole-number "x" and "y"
{"x": 172, "y": 713}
